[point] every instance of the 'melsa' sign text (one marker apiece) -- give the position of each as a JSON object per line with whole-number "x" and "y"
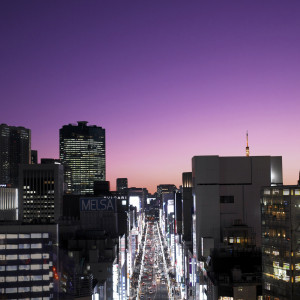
{"x": 94, "y": 204}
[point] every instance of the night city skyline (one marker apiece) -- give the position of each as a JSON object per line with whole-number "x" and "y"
{"x": 166, "y": 80}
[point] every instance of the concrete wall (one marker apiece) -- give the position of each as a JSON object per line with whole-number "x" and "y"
{"x": 240, "y": 177}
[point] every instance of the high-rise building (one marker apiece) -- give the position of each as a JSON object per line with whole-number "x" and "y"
{"x": 281, "y": 242}
{"x": 122, "y": 184}
{"x": 15, "y": 148}
{"x": 40, "y": 192}
{"x": 82, "y": 150}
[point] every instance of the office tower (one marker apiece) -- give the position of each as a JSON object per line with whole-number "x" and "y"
{"x": 82, "y": 149}
{"x": 34, "y": 157}
{"x": 227, "y": 222}
{"x": 28, "y": 261}
{"x": 122, "y": 184}
{"x": 9, "y": 204}
{"x": 281, "y": 242}
{"x": 41, "y": 192}
{"x": 15, "y": 146}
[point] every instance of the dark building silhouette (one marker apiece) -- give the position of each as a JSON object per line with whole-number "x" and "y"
{"x": 82, "y": 152}
{"x": 15, "y": 148}
{"x": 34, "y": 157}
{"x": 122, "y": 184}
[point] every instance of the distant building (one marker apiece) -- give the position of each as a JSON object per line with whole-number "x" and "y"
{"x": 15, "y": 148}
{"x": 34, "y": 157}
{"x": 41, "y": 192}
{"x": 82, "y": 149}
{"x": 165, "y": 188}
{"x": 281, "y": 242}
{"x": 122, "y": 184}
{"x": 187, "y": 205}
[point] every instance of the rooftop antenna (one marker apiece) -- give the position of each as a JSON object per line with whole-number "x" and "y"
{"x": 247, "y": 147}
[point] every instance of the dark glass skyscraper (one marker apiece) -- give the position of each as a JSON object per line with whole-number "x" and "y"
{"x": 15, "y": 145}
{"x": 82, "y": 151}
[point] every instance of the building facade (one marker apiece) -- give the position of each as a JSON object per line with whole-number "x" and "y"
{"x": 82, "y": 151}
{"x": 28, "y": 261}
{"x": 40, "y": 192}
{"x": 281, "y": 242}
{"x": 15, "y": 149}
{"x": 227, "y": 222}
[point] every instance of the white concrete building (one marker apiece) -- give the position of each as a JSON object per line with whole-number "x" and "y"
{"x": 226, "y": 189}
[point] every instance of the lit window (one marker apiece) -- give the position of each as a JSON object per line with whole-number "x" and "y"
{"x": 24, "y": 256}
{"x": 286, "y": 192}
{"x": 36, "y": 288}
{"x": 36, "y": 267}
{"x": 11, "y": 290}
{"x": 24, "y": 267}
{"x": 36, "y": 277}
{"x": 11, "y": 236}
{"x": 11, "y": 256}
{"x": 35, "y": 246}
{"x": 36, "y": 235}
{"x": 11, "y": 268}
{"x": 23, "y": 289}
{"x": 24, "y": 278}
{"x": 11, "y": 278}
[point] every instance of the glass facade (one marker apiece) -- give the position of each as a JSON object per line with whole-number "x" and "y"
{"x": 82, "y": 151}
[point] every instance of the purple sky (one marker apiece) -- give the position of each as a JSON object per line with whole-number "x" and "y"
{"x": 167, "y": 79}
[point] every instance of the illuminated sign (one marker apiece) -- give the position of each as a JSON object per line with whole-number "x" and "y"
{"x": 97, "y": 204}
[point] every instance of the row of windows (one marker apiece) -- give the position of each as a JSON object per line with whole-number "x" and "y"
{"x": 23, "y": 235}
{"x": 24, "y": 278}
{"x": 31, "y": 267}
{"x": 30, "y": 256}
{"x": 26, "y": 289}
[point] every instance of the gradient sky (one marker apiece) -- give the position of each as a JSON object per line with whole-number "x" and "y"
{"x": 167, "y": 79}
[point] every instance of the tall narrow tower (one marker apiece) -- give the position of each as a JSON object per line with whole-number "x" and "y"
{"x": 247, "y": 147}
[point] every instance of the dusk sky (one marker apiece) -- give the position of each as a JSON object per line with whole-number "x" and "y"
{"x": 168, "y": 80}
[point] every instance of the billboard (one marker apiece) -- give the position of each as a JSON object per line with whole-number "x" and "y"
{"x": 98, "y": 204}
